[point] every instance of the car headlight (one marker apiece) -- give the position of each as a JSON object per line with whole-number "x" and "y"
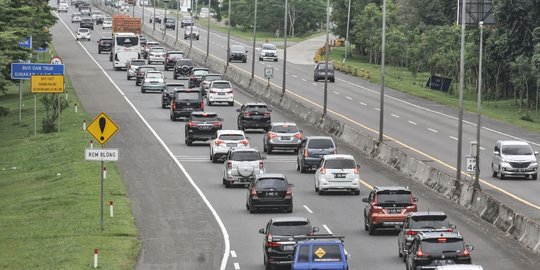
{"x": 534, "y": 164}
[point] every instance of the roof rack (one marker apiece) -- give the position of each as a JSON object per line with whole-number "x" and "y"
{"x": 318, "y": 236}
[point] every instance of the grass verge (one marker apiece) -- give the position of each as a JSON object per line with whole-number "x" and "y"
{"x": 49, "y": 195}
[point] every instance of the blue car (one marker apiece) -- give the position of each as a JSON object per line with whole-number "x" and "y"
{"x": 320, "y": 252}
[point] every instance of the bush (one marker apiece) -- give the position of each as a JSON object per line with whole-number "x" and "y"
{"x": 526, "y": 117}
{"x": 4, "y": 111}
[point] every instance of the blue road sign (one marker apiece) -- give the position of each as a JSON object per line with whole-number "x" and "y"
{"x": 27, "y": 43}
{"x": 40, "y": 49}
{"x": 24, "y": 71}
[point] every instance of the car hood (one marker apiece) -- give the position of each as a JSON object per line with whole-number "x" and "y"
{"x": 518, "y": 158}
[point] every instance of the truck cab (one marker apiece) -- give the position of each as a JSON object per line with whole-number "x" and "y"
{"x": 320, "y": 252}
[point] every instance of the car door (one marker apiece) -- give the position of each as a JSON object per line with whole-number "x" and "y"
{"x": 496, "y": 157}
{"x": 401, "y": 236}
{"x": 367, "y": 207}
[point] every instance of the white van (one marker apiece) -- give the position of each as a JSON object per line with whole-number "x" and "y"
{"x": 204, "y": 13}
{"x": 63, "y": 7}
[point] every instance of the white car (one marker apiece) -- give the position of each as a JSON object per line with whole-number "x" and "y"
{"x": 63, "y": 7}
{"x": 156, "y": 54}
{"x": 132, "y": 67}
{"x": 76, "y": 17}
{"x": 220, "y": 91}
{"x": 337, "y": 172}
{"x": 268, "y": 51}
{"x": 460, "y": 267}
{"x": 225, "y": 140}
{"x": 83, "y": 33}
{"x": 107, "y": 23}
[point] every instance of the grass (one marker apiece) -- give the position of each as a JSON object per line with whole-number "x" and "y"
{"x": 49, "y": 195}
{"x": 402, "y": 80}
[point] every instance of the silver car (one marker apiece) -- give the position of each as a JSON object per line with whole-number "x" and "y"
{"x": 132, "y": 67}
{"x": 337, "y": 172}
{"x": 268, "y": 51}
{"x": 282, "y": 136}
{"x": 153, "y": 81}
{"x": 156, "y": 54}
{"x": 241, "y": 166}
{"x": 515, "y": 158}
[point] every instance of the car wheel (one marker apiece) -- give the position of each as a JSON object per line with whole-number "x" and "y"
{"x": 275, "y": 60}
{"x": 128, "y": 78}
{"x": 333, "y": 80}
{"x": 316, "y": 188}
{"x": 143, "y": 90}
{"x": 366, "y": 227}
{"x": 188, "y": 142}
{"x": 493, "y": 172}
{"x": 137, "y": 83}
{"x": 302, "y": 168}
{"x": 163, "y": 106}
{"x": 289, "y": 210}
{"x": 99, "y": 51}
{"x": 165, "y": 68}
{"x": 215, "y": 160}
{"x": 265, "y": 149}
{"x": 315, "y": 79}
{"x": 297, "y": 165}
{"x": 534, "y": 176}
{"x": 269, "y": 150}
{"x": 231, "y": 103}
{"x": 501, "y": 175}
{"x": 244, "y": 61}
{"x": 224, "y": 182}
{"x": 175, "y": 77}
{"x": 357, "y": 192}
{"x": 321, "y": 192}
{"x": 252, "y": 209}
{"x": 371, "y": 229}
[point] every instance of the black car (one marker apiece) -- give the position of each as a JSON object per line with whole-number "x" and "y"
{"x": 202, "y": 126}
{"x": 312, "y": 149}
{"x": 238, "y": 53}
{"x": 157, "y": 19}
{"x": 170, "y": 23}
{"x": 270, "y": 191}
{"x": 186, "y": 21}
{"x": 278, "y": 248}
{"x": 171, "y": 57}
{"x": 182, "y": 68}
{"x": 431, "y": 249}
{"x": 105, "y": 44}
{"x": 254, "y": 115}
{"x": 140, "y": 73}
{"x": 196, "y": 77}
{"x": 87, "y": 23}
{"x": 319, "y": 72}
{"x": 168, "y": 93}
{"x": 184, "y": 102}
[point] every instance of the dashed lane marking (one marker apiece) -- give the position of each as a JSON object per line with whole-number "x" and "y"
{"x": 307, "y": 208}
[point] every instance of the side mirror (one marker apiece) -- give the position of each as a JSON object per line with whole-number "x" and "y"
{"x": 496, "y": 153}
{"x": 220, "y": 119}
{"x": 365, "y": 200}
{"x": 358, "y": 166}
{"x": 452, "y": 226}
{"x": 415, "y": 199}
{"x": 246, "y": 51}
{"x": 261, "y": 231}
{"x": 348, "y": 256}
{"x": 247, "y": 138}
{"x": 315, "y": 229}
{"x": 291, "y": 185}
{"x": 270, "y": 110}
{"x": 469, "y": 247}
{"x": 237, "y": 110}
{"x": 536, "y": 153}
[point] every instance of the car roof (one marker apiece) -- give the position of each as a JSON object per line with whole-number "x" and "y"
{"x": 107, "y": 38}
{"x": 338, "y": 156}
{"x": 271, "y": 175}
{"x": 176, "y": 84}
{"x": 283, "y": 124}
{"x": 255, "y": 104}
{"x": 230, "y": 131}
{"x": 321, "y": 241}
{"x": 380, "y": 188}
{"x": 200, "y": 68}
{"x": 157, "y": 47}
{"x": 249, "y": 149}
{"x": 513, "y": 142}
{"x": 155, "y": 71}
{"x": 204, "y": 113}
{"x": 152, "y": 43}
{"x": 213, "y": 74}
{"x": 318, "y": 137}
{"x": 426, "y": 213}
{"x": 289, "y": 219}
{"x": 221, "y": 81}
{"x": 182, "y": 52}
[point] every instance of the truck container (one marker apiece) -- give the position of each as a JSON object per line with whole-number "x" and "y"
{"x": 125, "y": 23}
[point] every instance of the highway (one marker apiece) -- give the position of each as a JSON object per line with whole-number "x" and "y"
{"x": 336, "y": 213}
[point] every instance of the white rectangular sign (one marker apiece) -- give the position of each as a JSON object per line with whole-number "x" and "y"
{"x": 101, "y": 154}
{"x": 471, "y": 165}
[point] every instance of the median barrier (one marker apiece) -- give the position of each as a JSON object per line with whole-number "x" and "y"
{"x": 506, "y": 217}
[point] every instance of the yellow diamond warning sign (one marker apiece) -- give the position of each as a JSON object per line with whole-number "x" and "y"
{"x": 320, "y": 252}
{"x": 102, "y": 128}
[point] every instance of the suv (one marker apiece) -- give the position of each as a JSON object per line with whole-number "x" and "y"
{"x": 168, "y": 93}
{"x": 182, "y": 68}
{"x": 184, "y": 102}
{"x": 76, "y": 17}
{"x": 104, "y": 44}
{"x": 311, "y": 150}
{"x": 132, "y": 67}
{"x": 171, "y": 57}
{"x": 241, "y": 166}
{"x": 206, "y": 79}
{"x": 191, "y": 33}
{"x": 270, "y": 191}
{"x": 387, "y": 207}
{"x": 278, "y": 241}
{"x": 420, "y": 222}
{"x": 156, "y": 54}
{"x": 431, "y": 249}
{"x": 268, "y": 51}
{"x": 141, "y": 71}
{"x": 86, "y": 23}
{"x": 238, "y": 53}
{"x": 148, "y": 46}
{"x": 254, "y": 115}
{"x": 318, "y": 73}
{"x": 186, "y": 21}
{"x": 282, "y": 136}
{"x": 337, "y": 172}
{"x": 515, "y": 158}
{"x": 153, "y": 81}
{"x": 202, "y": 126}
{"x": 225, "y": 140}
{"x": 168, "y": 22}
{"x": 196, "y": 76}
{"x": 220, "y": 91}
{"x": 320, "y": 252}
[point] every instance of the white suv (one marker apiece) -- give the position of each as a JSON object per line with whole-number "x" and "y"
{"x": 220, "y": 91}
{"x": 156, "y": 54}
{"x": 241, "y": 166}
{"x": 515, "y": 158}
{"x": 225, "y": 140}
{"x": 337, "y": 172}
{"x": 83, "y": 33}
{"x": 132, "y": 67}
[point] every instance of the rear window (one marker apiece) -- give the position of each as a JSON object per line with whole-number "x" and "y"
{"x": 320, "y": 144}
{"x": 200, "y": 72}
{"x": 284, "y": 129}
{"x": 138, "y": 62}
{"x": 176, "y": 55}
{"x": 153, "y": 75}
{"x": 269, "y": 47}
{"x": 187, "y": 95}
{"x": 246, "y": 156}
{"x": 83, "y": 30}
{"x": 158, "y": 50}
{"x": 322, "y": 66}
{"x": 213, "y": 77}
{"x": 290, "y": 228}
{"x": 221, "y": 85}
{"x": 146, "y": 68}
{"x": 394, "y": 197}
{"x": 429, "y": 222}
{"x": 201, "y": 118}
{"x": 275, "y": 183}
{"x": 517, "y": 150}
{"x": 438, "y": 246}
{"x": 340, "y": 164}
{"x": 256, "y": 108}
{"x": 326, "y": 253}
{"x": 184, "y": 62}
{"x": 231, "y": 137}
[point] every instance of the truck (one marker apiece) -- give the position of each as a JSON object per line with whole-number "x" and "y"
{"x": 320, "y": 251}
{"x": 126, "y": 40}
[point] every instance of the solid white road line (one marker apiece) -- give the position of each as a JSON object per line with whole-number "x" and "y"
{"x": 336, "y": 92}
{"x": 432, "y": 130}
{"x": 314, "y": 84}
{"x": 307, "y": 208}
{"x": 362, "y": 103}
{"x": 294, "y": 76}
{"x": 377, "y": 109}
{"x": 327, "y": 229}
{"x": 349, "y": 98}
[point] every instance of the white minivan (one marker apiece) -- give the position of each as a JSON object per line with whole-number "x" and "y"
{"x": 63, "y": 7}
{"x": 514, "y": 158}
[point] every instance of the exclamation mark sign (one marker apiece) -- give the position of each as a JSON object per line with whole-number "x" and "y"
{"x": 102, "y": 123}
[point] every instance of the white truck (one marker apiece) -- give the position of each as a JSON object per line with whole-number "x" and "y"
{"x": 126, "y": 46}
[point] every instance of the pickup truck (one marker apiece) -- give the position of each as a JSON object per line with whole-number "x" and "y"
{"x": 241, "y": 166}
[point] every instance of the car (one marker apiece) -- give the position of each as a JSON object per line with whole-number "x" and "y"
{"x": 422, "y": 221}
{"x": 206, "y": 79}
{"x": 184, "y": 102}
{"x": 459, "y": 267}
{"x": 192, "y": 33}
{"x": 168, "y": 93}
{"x": 312, "y": 149}
{"x": 282, "y": 136}
{"x": 226, "y": 139}
{"x": 86, "y": 23}
{"x": 320, "y": 251}
{"x": 514, "y": 158}
{"x": 337, "y": 172}
{"x": 156, "y": 18}
{"x": 141, "y": 71}
{"x": 79, "y": 3}
{"x": 153, "y": 81}
{"x": 268, "y": 51}
{"x": 156, "y": 54}
{"x": 105, "y": 44}
{"x": 431, "y": 249}
{"x": 186, "y": 21}
{"x": 220, "y": 91}
{"x": 82, "y": 33}
{"x": 202, "y": 126}
{"x": 132, "y": 66}
{"x": 171, "y": 57}
{"x": 168, "y": 22}
{"x": 95, "y": 15}
{"x": 387, "y": 207}
{"x": 254, "y": 115}
{"x": 278, "y": 242}
{"x": 76, "y": 17}
{"x": 85, "y": 9}
{"x": 63, "y": 7}
{"x": 107, "y": 23}
{"x": 269, "y": 191}
{"x": 241, "y": 166}
{"x": 182, "y": 68}
{"x": 320, "y": 70}
{"x": 142, "y": 42}
{"x": 149, "y": 45}
{"x": 238, "y": 53}
{"x": 196, "y": 75}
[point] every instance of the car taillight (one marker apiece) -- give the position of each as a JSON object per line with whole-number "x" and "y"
{"x": 192, "y": 124}
{"x": 288, "y": 195}
{"x": 305, "y": 153}
{"x": 261, "y": 165}
{"x": 202, "y": 105}
{"x": 229, "y": 164}
{"x": 465, "y": 253}
{"x": 335, "y": 151}
{"x": 216, "y": 124}
{"x": 376, "y": 209}
{"x": 272, "y": 135}
{"x": 419, "y": 253}
{"x": 228, "y": 90}
{"x": 410, "y": 207}
{"x": 244, "y": 142}
{"x": 254, "y": 195}
{"x": 356, "y": 171}
{"x": 213, "y": 91}
{"x": 247, "y": 113}
{"x": 219, "y": 142}
{"x": 174, "y": 106}
{"x": 323, "y": 170}
{"x": 410, "y": 232}
{"x": 267, "y": 114}
{"x": 298, "y": 135}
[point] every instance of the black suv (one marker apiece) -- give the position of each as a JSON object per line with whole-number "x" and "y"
{"x": 186, "y": 101}
{"x": 238, "y": 53}
{"x": 168, "y": 93}
{"x": 318, "y": 73}
{"x": 105, "y": 44}
{"x": 196, "y": 76}
{"x": 87, "y": 23}
{"x": 311, "y": 151}
{"x": 254, "y": 115}
{"x": 432, "y": 249}
{"x": 278, "y": 242}
{"x": 140, "y": 73}
{"x": 202, "y": 126}
{"x": 269, "y": 191}
{"x": 171, "y": 57}
{"x": 416, "y": 222}
{"x": 182, "y": 68}
{"x": 169, "y": 23}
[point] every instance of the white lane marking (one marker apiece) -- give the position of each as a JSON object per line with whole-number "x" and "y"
{"x": 304, "y": 80}
{"x": 327, "y": 229}
{"x": 482, "y": 148}
{"x": 314, "y": 84}
{"x": 432, "y": 130}
{"x": 395, "y": 115}
{"x": 294, "y": 76}
{"x": 349, "y": 98}
{"x": 413, "y": 123}
{"x": 377, "y": 109}
{"x": 236, "y": 266}
{"x": 278, "y": 69}
{"x": 233, "y": 254}
{"x": 336, "y": 92}
{"x": 452, "y": 137}
{"x": 362, "y": 103}
{"x": 307, "y": 208}
{"x": 225, "y": 257}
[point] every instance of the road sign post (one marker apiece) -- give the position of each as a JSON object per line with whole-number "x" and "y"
{"x": 268, "y": 74}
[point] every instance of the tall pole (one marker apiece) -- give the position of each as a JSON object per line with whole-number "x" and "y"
{"x": 134, "y": 4}
{"x": 177, "y": 18}
{"x": 347, "y": 34}
{"x": 143, "y": 8}
{"x": 461, "y": 85}
{"x": 191, "y": 29}
{"x": 228, "y": 34}
{"x": 381, "y": 105}
{"x": 207, "y": 31}
{"x": 478, "y": 115}
{"x": 154, "y": 18}
{"x": 101, "y": 198}
{"x": 285, "y": 49}
{"x": 254, "y": 41}
{"x": 163, "y": 22}
{"x": 326, "y": 57}
{"x": 20, "y": 100}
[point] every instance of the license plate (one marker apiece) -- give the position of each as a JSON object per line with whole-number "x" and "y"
{"x": 221, "y": 93}
{"x": 394, "y": 211}
{"x": 271, "y": 194}
{"x": 256, "y": 117}
{"x": 340, "y": 175}
{"x": 231, "y": 145}
{"x": 205, "y": 127}
{"x": 288, "y": 247}
{"x": 285, "y": 138}
{"x": 189, "y": 109}
{"x": 443, "y": 262}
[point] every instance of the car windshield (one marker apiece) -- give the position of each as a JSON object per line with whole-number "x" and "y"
{"x": 290, "y": 228}
{"x": 394, "y": 197}
{"x": 127, "y": 41}
{"x": 201, "y": 118}
{"x": 322, "y": 66}
{"x": 152, "y": 44}
{"x": 516, "y": 150}
{"x": 174, "y": 55}
{"x": 221, "y": 85}
{"x": 170, "y": 20}
{"x": 237, "y": 48}
{"x": 330, "y": 253}
{"x": 231, "y": 137}
{"x": 246, "y": 156}
{"x": 159, "y": 50}
{"x": 269, "y": 47}
{"x": 187, "y": 96}
{"x": 187, "y": 19}
{"x": 200, "y": 72}
{"x": 284, "y": 129}
{"x": 138, "y": 62}
{"x": 256, "y": 108}
{"x": 340, "y": 164}
{"x": 429, "y": 222}
{"x": 320, "y": 144}
{"x": 153, "y": 75}
{"x": 441, "y": 245}
{"x": 76, "y": 15}
{"x": 212, "y": 77}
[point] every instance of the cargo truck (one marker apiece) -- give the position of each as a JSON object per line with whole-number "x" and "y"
{"x": 126, "y": 40}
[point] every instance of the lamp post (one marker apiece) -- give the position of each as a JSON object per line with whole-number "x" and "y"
{"x": 254, "y": 41}
{"x": 347, "y": 33}
{"x": 177, "y": 18}
{"x": 478, "y": 115}
{"x": 164, "y": 21}
{"x": 154, "y": 18}
{"x": 461, "y": 85}
{"x": 285, "y": 49}
{"x": 207, "y": 31}
{"x": 326, "y": 57}
{"x": 143, "y": 8}
{"x": 228, "y": 34}
{"x": 381, "y": 106}
{"x": 191, "y": 28}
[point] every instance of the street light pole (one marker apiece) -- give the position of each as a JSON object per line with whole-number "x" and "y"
{"x": 461, "y": 85}
{"x": 154, "y": 18}
{"x": 285, "y": 49}
{"x": 478, "y": 115}
{"x": 347, "y": 34}
{"x": 381, "y": 106}
{"x": 177, "y": 18}
{"x": 163, "y": 22}
{"x": 254, "y": 41}
{"x": 207, "y": 31}
{"x": 228, "y": 34}
{"x": 326, "y": 57}
{"x": 191, "y": 29}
